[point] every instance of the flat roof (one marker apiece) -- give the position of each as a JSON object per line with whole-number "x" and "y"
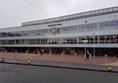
{"x": 73, "y": 16}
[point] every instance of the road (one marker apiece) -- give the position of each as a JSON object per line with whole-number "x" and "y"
{"x": 11, "y": 73}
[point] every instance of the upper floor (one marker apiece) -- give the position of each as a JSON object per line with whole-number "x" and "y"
{"x": 99, "y": 24}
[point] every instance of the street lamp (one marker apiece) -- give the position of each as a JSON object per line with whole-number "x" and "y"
{"x": 94, "y": 46}
{"x": 85, "y": 39}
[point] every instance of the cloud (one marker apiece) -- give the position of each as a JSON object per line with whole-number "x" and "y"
{"x": 14, "y": 12}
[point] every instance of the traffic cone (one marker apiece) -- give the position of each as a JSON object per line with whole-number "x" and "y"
{"x": 109, "y": 68}
{"x": 28, "y": 61}
{"x": 3, "y": 60}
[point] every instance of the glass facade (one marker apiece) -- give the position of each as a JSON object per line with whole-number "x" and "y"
{"x": 75, "y": 34}
{"x": 104, "y": 39}
{"x": 90, "y": 27}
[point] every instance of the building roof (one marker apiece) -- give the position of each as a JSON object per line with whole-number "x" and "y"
{"x": 73, "y": 16}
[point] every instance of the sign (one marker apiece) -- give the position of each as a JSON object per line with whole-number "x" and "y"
{"x": 85, "y": 41}
{"x": 53, "y": 30}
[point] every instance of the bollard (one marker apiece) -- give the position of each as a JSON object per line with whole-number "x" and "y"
{"x": 50, "y": 52}
{"x": 15, "y": 53}
{"x": 90, "y": 56}
{"x": 38, "y": 52}
{"x": 75, "y": 57}
{"x": 3, "y": 60}
{"x": 28, "y": 61}
{"x": 5, "y": 51}
{"x": 105, "y": 58}
{"x": 109, "y": 68}
{"x": 26, "y": 52}
{"x": 49, "y": 55}
{"x": 62, "y": 57}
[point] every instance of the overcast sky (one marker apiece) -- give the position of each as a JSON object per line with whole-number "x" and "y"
{"x": 14, "y": 12}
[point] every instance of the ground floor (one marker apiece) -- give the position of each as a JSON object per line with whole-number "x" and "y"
{"x": 92, "y": 39}
{"x": 65, "y": 50}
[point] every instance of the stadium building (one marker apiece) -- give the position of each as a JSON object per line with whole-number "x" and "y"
{"x": 96, "y": 31}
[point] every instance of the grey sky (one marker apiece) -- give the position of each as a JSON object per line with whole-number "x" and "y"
{"x": 14, "y": 12}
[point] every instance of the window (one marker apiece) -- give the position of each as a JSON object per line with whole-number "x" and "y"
{"x": 116, "y": 22}
{"x": 58, "y": 30}
{"x": 81, "y": 28}
{"x": 115, "y": 9}
{"x": 54, "y": 40}
{"x": 91, "y": 26}
{"x": 92, "y": 13}
{"x": 87, "y": 14}
{"x": 42, "y": 32}
{"x": 108, "y": 23}
{"x": 69, "y": 29}
{"x": 105, "y": 10}
{"x": 97, "y": 12}
{"x": 110, "y": 9}
{"x": 101, "y": 11}
{"x": 71, "y": 40}
{"x": 112, "y": 23}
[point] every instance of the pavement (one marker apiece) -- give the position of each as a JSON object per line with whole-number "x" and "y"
{"x": 65, "y": 65}
{"x": 69, "y": 62}
{"x": 114, "y": 64}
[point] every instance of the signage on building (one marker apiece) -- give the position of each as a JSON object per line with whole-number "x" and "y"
{"x": 54, "y": 25}
{"x": 53, "y": 30}
{"x": 85, "y": 41}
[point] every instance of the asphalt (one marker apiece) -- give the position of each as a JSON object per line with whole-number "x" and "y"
{"x": 76, "y": 66}
{"x": 14, "y": 73}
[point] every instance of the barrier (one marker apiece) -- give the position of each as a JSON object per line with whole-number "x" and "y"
{"x": 28, "y": 61}
{"x": 109, "y": 68}
{"x": 3, "y": 60}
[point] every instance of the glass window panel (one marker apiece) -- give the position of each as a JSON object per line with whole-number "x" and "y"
{"x": 116, "y": 22}
{"x": 110, "y": 9}
{"x": 97, "y": 12}
{"x": 105, "y": 10}
{"x": 92, "y": 12}
{"x": 101, "y": 11}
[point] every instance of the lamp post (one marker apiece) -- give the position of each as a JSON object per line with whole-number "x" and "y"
{"x": 85, "y": 47}
{"x": 94, "y": 46}
{"x": 85, "y": 39}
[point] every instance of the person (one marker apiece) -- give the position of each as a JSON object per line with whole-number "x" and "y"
{"x": 87, "y": 55}
{"x": 28, "y": 51}
{"x": 40, "y": 52}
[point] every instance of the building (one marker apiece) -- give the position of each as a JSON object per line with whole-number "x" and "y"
{"x": 95, "y": 30}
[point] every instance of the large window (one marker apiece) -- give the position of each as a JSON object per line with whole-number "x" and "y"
{"x": 103, "y": 39}
{"x": 108, "y": 23}
{"x": 41, "y": 41}
{"x": 54, "y": 41}
{"x": 69, "y": 29}
{"x": 71, "y": 40}
{"x": 88, "y": 27}
{"x": 91, "y": 27}
{"x": 42, "y": 32}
